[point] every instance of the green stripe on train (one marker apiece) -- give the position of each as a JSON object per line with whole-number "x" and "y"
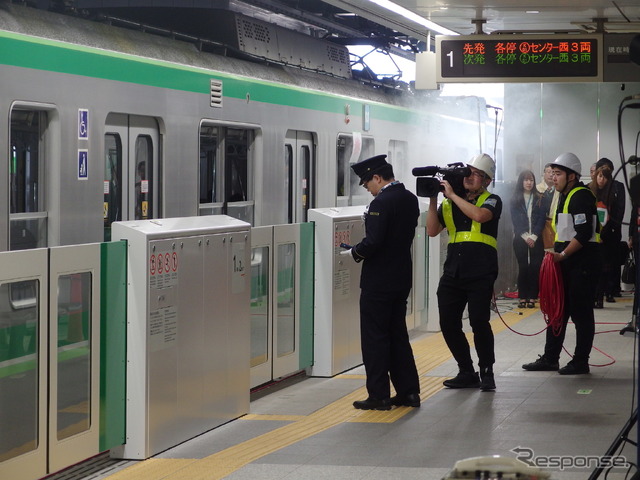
{"x": 43, "y": 54}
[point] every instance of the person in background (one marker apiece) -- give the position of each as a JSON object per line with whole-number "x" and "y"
{"x": 619, "y": 200}
{"x": 390, "y": 223}
{"x": 528, "y": 217}
{"x": 549, "y": 201}
{"x": 577, "y": 251}
{"x": 469, "y": 271}
{"x": 610, "y": 214}
{"x": 592, "y": 172}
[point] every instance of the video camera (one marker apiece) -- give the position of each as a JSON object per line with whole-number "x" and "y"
{"x": 428, "y": 186}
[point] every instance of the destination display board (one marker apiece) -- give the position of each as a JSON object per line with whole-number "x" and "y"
{"x": 519, "y": 58}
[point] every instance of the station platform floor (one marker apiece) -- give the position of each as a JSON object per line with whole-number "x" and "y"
{"x": 309, "y": 429}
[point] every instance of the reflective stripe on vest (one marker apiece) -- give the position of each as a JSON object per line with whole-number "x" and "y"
{"x": 474, "y": 235}
{"x": 565, "y": 209}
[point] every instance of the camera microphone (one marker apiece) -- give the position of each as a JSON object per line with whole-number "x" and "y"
{"x": 423, "y": 171}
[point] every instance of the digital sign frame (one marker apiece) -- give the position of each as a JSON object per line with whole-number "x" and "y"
{"x": 509, "y": 58}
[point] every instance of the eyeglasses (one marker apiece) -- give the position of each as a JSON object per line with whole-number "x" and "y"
{"x": 478, "y": 174}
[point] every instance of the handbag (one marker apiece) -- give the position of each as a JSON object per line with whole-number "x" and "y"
{"x": 629, "y": 269}
{"x": 548, "y": 235}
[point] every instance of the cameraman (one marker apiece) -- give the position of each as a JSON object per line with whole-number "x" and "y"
{"x": 470, "y": 270}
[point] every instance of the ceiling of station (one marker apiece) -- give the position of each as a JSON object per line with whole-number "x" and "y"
{"x": 366, "y": 22}
{"x": 509, "y": 16}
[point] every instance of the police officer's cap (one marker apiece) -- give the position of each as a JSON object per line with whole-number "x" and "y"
{"x": 367, "y": 168}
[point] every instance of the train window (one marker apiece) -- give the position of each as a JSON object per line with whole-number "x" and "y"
{"x": 208, "y": 154}
{"x": 351, "y": 149}
{"x": 112, "y": 182}
{"x": 289, "y": 180}
{"x": 74, "y": 354}
{"x": 224, "y": 172}
{"x": 144, "y": 178}
{"x": 397, "y": 153}
{"x": 308, "y": 193}
{"x": 236, "y": 165}
{"x": 28, "y": 216}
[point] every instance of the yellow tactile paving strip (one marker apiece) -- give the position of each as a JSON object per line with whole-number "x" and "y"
{"x": 429, "y": 352}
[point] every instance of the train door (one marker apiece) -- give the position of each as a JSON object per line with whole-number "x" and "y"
{"x": 300, "y": 175}
{"x": 225, "y": 170}
{"x": 131, "y": 175}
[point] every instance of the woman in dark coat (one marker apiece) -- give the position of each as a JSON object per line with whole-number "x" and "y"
{"x": 610, "y": 213}
{"x": 528, "y": 217}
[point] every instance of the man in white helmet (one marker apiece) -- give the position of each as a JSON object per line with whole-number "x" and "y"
{"x": 470, "y": 270}
{"x": 576, "y": 248}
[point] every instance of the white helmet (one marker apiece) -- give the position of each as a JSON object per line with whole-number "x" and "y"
{"x": 569, "y": 161}
{"x": 484, "y": 163}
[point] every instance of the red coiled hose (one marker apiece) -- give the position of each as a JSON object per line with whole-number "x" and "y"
{"x": 551, "y": 293}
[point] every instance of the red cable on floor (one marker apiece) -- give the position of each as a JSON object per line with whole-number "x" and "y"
{"x": 551, "y": 293}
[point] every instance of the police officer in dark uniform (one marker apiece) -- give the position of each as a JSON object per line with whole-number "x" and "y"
{"x": 469, "y": 271}
{"x": 576, "y": 248}
{"x": 385, "y": 282}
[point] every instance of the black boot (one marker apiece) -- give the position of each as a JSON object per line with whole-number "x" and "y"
{"x": 487, "y": 382}
{"x": 463, "y": 380}
{"x": 542, "y": 364}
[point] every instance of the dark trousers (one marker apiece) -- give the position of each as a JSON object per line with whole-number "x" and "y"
{"x": 453, "y": 295}
{"x": 529, "y": 261}
{"x": 609, "y": 282}
{"x": 579, "y": 290}
{"x": 386, "y": 351}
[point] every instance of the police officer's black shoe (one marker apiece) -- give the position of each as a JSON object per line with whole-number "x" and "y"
{"x": 541, "y": 365}
{"x": 487, "y": 382}
{"x": 574, "y": 368}
{"x": 373, "y": 404}
{"x": 409, "y": 400}
{"x": 463, "y": 380}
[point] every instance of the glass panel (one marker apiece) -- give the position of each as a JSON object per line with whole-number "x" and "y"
{"x": 24, "y": 170}
{"x": 345, "y": 146}
{"x": 236, "y": 157}
{"x": 144, "y": 178}
{"x": 306, "y": 187}
{"x": 359, "y": 196}
{"x": 349, "y": 191}
{"x": 211, "y": 210}
{"x": 28, "y": 231}
{"x": 208, "y": 167}
{"x": 74, "y": 354}
{"x": 259, "y": 305}
{"x": 288, "y": 180}
{"x": 286, "y": 299}
{"x": 18, "y": 368}
{"x": 112, "y": 182}
{"x": 26, "y": 194}
{"x": 241, "y": 210}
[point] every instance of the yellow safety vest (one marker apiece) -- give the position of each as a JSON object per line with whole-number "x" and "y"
{"x": 474, "y": 235}
{"x": 565, "y": 209}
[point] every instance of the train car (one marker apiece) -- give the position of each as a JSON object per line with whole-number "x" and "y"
{"x": 103, "y": 124}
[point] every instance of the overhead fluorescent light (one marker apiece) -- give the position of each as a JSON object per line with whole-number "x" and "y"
{"x": 408, "y": 14}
